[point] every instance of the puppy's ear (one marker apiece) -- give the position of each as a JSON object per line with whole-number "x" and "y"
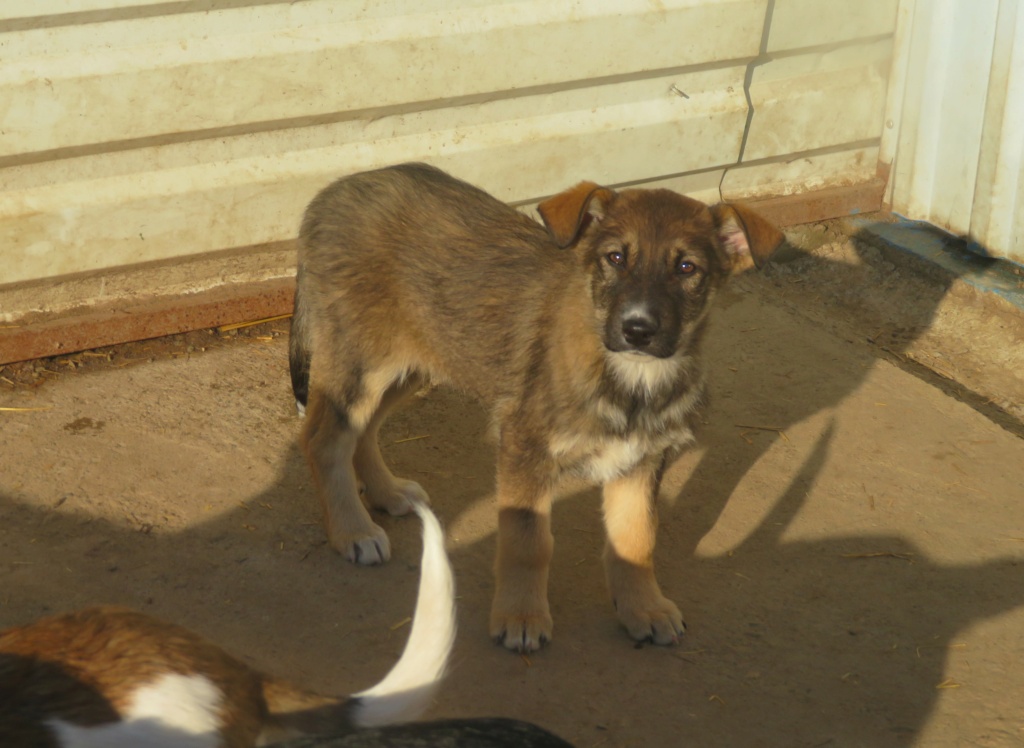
{"x": 568, "y": 213}
{"x": 747, "y": 238}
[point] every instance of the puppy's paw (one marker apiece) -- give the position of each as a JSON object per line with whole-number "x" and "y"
{"x": 655, "y": 620}
{"x": 397, "y": 500}
{"x": 524, "y": 632}
{"x": 366, "y": 550}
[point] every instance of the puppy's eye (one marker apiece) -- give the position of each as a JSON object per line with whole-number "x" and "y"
{"x": 685, "y": 267}
{"x": 616, "y": 257}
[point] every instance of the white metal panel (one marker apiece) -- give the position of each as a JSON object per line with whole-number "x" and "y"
{"x": 813, "y": 23}
{"x": 997, "y": 222}
{"x": 159, "y": 202}
{"x": 163, "y": 76}
{"x": 957, "y": 156}
{"x": 818, "y": 99}
{"x": 11, "y": 9}
{"x": 817, "y": 95}
{"x": 896, "y": 89}
{"x": 133, "y": 131}
{"x": 807, "y": 172}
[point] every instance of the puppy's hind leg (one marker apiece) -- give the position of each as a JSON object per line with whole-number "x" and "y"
{"x": 383, "y": 490}
{"x": 520, "y": 614}
{"x": 329, "y": 440}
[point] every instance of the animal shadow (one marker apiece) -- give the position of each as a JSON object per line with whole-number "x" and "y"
{"x": 847, "y": 640}
{"x": 867, "y": 286}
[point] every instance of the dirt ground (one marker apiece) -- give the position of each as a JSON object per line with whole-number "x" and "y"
{"x": 846, "y": 544}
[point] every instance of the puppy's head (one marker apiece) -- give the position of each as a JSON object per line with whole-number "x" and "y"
{"x": 655, "y": 259}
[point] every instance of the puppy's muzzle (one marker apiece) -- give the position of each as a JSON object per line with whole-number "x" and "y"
{"x": 642, "y": 328}
{"x": 639, "y": 329}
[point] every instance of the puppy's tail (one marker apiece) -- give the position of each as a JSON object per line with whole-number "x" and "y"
{"x": 299, "y": 350}
{"x": 408, "y": 688}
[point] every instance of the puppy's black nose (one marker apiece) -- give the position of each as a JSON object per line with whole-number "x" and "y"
{"x": 639, "y": 329}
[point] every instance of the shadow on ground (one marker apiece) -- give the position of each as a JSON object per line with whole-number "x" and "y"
{"x": 832, "y": 642}
{"x": 822, "y": 637}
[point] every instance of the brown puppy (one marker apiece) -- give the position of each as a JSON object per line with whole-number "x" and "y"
{"x": 114, "y": 678}
{"x": 582, "y": 338}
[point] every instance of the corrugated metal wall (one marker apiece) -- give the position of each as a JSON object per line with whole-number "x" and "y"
{"x": 957, "y": 117}
{"x": 135, "y": 130}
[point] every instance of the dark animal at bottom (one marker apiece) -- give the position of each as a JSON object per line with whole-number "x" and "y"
{"x": 114, "y": 678}
{"x": 581, "y": 336}
{"x": 448, "y": 733}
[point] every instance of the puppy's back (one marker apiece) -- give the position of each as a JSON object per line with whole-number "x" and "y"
{"x": 394, "y": 261}
{"x": 415, "y": 207}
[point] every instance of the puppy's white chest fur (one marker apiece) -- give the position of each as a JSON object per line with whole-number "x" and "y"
{"x": 613, "y": 458}
{"x": 599, "y": 460}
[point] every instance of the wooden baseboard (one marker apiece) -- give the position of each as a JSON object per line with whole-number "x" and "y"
{"x": 92, "y": 327}
{"x": 820, "y": 205}
{"x": 152, "y": 318}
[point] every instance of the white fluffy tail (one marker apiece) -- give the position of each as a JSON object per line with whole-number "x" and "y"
{"x": 406, "y": 691}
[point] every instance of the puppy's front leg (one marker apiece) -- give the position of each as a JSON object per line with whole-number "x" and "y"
{"x": 520, "y": 617}
{"x": 631, "y": 520}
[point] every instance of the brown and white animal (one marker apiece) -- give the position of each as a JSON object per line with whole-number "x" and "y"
{"x": 581, "y": 336}
{"x": 114, "y": 678}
